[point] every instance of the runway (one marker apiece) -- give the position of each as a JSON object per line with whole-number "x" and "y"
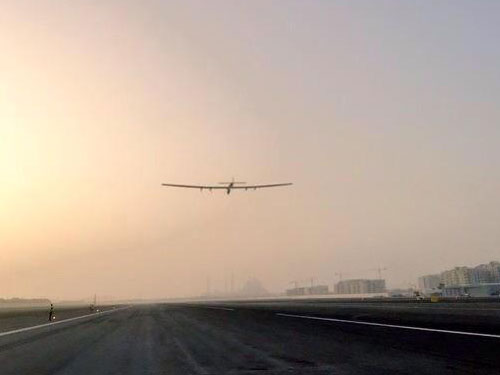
{"x": 264, "y": 338}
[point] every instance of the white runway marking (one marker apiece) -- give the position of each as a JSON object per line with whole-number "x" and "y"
{"x": 390, "y": 325}
{"x": 219, "y": 308}
{"x": 403, "y": 306}
{"x": 59, "y": 322}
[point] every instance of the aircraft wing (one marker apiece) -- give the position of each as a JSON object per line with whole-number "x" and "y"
{"x": 195, "y": 186}
{"x": 261, "y": 186}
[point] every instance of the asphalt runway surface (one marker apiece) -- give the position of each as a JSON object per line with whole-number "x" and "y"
{"x": 264, "y": 338}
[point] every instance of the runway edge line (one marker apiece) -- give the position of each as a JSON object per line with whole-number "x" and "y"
{"x": 60, "y": 321}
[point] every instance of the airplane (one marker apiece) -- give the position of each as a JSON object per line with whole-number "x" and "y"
{"x": 229, "y": 186}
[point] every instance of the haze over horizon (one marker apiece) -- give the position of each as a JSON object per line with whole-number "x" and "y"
{"x": 384, "y": 116}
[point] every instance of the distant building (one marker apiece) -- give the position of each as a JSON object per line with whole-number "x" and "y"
{"x": 487, "y": 273}
{"x": 318, "y": 289}
{"x": 429, "y": 282}
{"x": 495, "y": 271}
{"x": 306, "y": 291}
{"x": 481, "y": 274}
{"x": 253, "y": 288}
{"x": 480, "y": 281}
{"x": 296, "y": 292}
{"x": 457, "y": 276}
{"x": 360, "y": 286}
{"x": 480, "y": 290}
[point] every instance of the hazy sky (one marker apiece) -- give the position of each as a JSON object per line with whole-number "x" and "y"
{"x": 385, "y": 115}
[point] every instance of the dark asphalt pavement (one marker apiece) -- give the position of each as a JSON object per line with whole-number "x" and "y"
{"x": 250, "y": 338}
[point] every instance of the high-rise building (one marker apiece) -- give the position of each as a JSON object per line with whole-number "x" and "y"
{"x": 481, "y": 274}
{"x": 482, "y": 280}
{"x": 457, "y": 276}
{"x": 494, "y": 269}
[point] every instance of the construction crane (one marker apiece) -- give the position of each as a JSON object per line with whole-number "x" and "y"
{"x": 339, "y": 274}
{"x": 379, "y": 271}
{"x": 310, "y": 280}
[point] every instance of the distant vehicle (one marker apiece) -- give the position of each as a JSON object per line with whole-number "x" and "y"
{"x": 231, "y": 185}
{"x": 418, "y": 296}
